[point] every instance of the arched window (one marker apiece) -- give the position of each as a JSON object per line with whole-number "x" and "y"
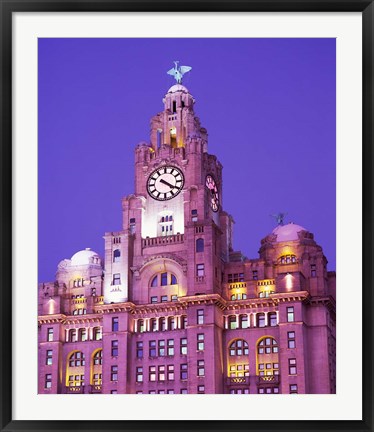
{"x": 171, "y": 322}
{"x": 153, "y": 324}
{"x": 183, "y": 321}
{"x": 97, "y": 333}
{"x": 232, "y": 322}
{"x": 243, "y": 321}
{"x": 272, "y": 317}
{"x": 260, "y": 320}
{"x": 267, "y": 357}
{"x": 238, "y": 348}
{"x": 116, "y": 255}
{"x": 200, "y": 245}
{"x": 82, "y": 335}
{"x": 173, "y": 280}
{"x": 72, "y": 335}
{"x": 288, "y": 259}
{"x": 163, "y": 279}
{"x": 76, "y": 359}
{"x": 141, "y": 327}
{"x": 162, "y": 324}
{"x": 98, "y": 357}
{"x": 154, "y": 282}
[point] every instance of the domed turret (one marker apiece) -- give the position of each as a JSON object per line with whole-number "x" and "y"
{"x": 85, "y": 257}
{"x": 288, "y": 232}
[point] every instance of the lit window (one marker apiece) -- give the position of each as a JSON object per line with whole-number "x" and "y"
{"x": 97, "y": 379}
{"x": 152, "y": 348}
{"x": 291, "y": 342}
{"x": 161, "y": 373}
{"x": 49, "y": 358}
{"x": 232, "y": 322}
{"x": 97, "y": 333}
{"x": 116, "y": 279}
{"x": 174, "y": 298}
{"x": 194, "y": 215}
{"x": 183, "y": 346}
{"x": 75, "y": 380}
{"x": 170, "y": 391}
{"x": 115, "y": 324}
{"x": 200, "y": 245}
{"x": 238, "y": 348}
{"x": 293, "y": 388}
{"x": 184, "y": 391}
{"x": 154, "y": 299}
{"x": 292, "y": 366}
{"x": 200, "y": 316}
{"x": 50, "y": 334}
{"x": 170, "y": 347}
{"x": 82, "y": 335}
{"x": 287, "y": 259}
{"x": 139, "y": 374}
{"x": 290, "y": 314}
{"x": 114, "y": 373}
{"x": 116, "y": 256}
{"x": 239, "y": 370}
{"x": 48, "y": 381}
{"x": 200, "y": 270}
{"x": 114, "y": 348}
{"x": 200, "y": 389}
{"x": 139, "y": 349}
{"x": 243, "y": 321}
{"x": 152, "y": 373}
{"x": 200, "y": 342}
{"x": 183, "y": 371}
{"x": 141, "y": 326}
{"x": 132, "y": 225}
{"x": 200, "y": 368}
{"x": 164, "y": 299}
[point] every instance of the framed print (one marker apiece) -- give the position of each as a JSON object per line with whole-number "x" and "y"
{"x": 186, "y": 215}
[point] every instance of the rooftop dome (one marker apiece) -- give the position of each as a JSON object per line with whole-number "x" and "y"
{"x": 83, "y": 257}
{"x": 178, "y": 87}
{"x": 288, "y": 232}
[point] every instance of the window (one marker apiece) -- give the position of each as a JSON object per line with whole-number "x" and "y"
{"x": 154, "y": 299}
{"x": 48, "y": 360}
{"x": 153, "y": 324}
{"x": 255, "y": 275}
{"x": 268, "y": 390}
{"x": 313, "y": 272}
{"x": 235, "y": 277}
{"x": 272, "y": 317}
{"x": 261, "y": 320}
{"x": 293, "y": 388}
{"x": 170, "y": 391}
{"x": 93, "y": 292}
{"x": 184, "y": 391}
{"x": 291, "y": 342}
{"x": 183, "y": 321}
{"x": 170, "y": 347}
{"x": 97, "y": 379}
{"x": 115, "y": 323}
{"x": 171, "y": 321}
{"x": 113, "y": 392}
{"x": 200, "y": 316}
{"x": 200, "y": 389}
{"x": 152, "y": 348}
{"x": 154, "y": 282}
{"x": 243, "y": 321}
{"x": 141, "y": 326}
{"x": 173, "y": 280}
{"x": 239, "y": 370}
{"x": 290, "y": 314}
{"x": 116, "y": 279}
{"x": 287, "y": 259}
{"x": 232, "y": 322}
{"x": 152, "y": 373}
{"x": 116, "y": 255}
{"x": 114, "y": 348}
{"x": 292, "y": 366}
{"x": 200, "y": 270}
{"x": 139, "y": 374}
{"x": 114, "y": 373}
{"x": 200, "y": 342}
{"x": 164, "y": 299}
{"x": 50, "y": 334}
{"x": 97, "y": 333}
{"x": 267, "y": 346}
{"x": 200, "y": 368}
{"x": 139, "y": 349}
{"x": 161, "y": 373}
{"x": 238, "y": 348}
{"x": 170, "y": 372}
{"x": 162, "y": 322}
{"x": 200, "y": 245}
{"x": 268, "y": 369}
{"x": 194, "y": 215}
{"x": 76, "y": 380}
{"x": 161, "y": 348}
{"x": 132, "y": 225}
{"x": 76, "y": 359}
{"x": 174, "y": 298}
{"x": 48, "y": 381}
{"x": 82, "y": 335}
{"x": 98, "y": 357}
{"x": 164, "y": 279}
{"x": 184, "y": 346}
{"x": 184, "y": 371}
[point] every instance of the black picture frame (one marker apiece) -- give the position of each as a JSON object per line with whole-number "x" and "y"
{"x": 8, "y": 7}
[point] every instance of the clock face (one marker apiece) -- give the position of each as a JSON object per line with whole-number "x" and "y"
{"x": 165, "y": 183}
{"x": 213, "y": 192}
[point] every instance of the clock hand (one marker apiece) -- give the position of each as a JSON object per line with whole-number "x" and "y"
{"x": 167, "y": 183}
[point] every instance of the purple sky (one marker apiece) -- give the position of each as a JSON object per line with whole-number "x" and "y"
{"x": 268, "y": 106}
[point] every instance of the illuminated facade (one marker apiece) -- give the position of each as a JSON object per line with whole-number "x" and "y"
{"x": 173, "y": 308}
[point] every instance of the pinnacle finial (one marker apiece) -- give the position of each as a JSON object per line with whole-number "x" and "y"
{"x": 178, "y": 71}
{"x": 279, "y": 217}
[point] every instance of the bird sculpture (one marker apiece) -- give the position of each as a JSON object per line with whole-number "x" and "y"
{"x": 279, "y": 217}
{"x": 178, "y": 71}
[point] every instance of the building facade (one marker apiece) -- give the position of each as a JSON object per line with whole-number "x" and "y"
{"x": 172, "y": 308}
